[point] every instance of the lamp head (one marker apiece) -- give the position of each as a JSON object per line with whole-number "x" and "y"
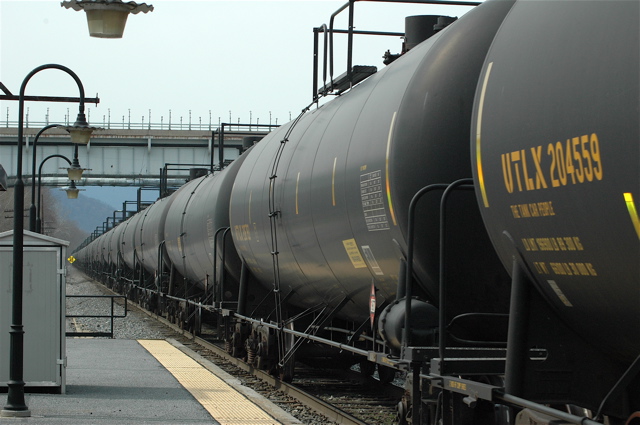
{"x": 107, "y": 18}
{"x": 80, "y": 131}
{"x": 72, "y": 190}
{"x": 75, "y": 171}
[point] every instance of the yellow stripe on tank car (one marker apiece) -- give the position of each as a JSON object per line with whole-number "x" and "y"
{"x": 249, "y": 206}
{"x": 297, "y": 183}
{"x": 333, "y": 182}
{"x": 633, "y": 212}
{"x": 485, "y": 200}
{"x": 388, "y": 183}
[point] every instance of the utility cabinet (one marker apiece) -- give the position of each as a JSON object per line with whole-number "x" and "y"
{"x": 43, "y": 313}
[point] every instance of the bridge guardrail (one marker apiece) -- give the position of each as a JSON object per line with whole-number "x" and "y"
{"x": 196, "y": 125}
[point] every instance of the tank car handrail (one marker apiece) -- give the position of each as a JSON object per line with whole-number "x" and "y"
{"x": 221, "y": 135}
{"x": 160, "y": 265}
{"x": 350, "y": 33}
{"x": 223, "y": 261}
{"x": 410, "y": 243}
{"x": 215, "y": 264}
{"x": 323, "y": 29}
{"x": 474, "y": 342}
{"x": 464, "y": 184}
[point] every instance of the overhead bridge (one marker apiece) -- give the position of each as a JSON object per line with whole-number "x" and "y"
{"x": 128, "y": 157}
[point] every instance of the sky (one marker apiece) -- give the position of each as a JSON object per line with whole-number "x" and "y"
{"x": 218, "y": 60}
{"x": 253, "y": 58}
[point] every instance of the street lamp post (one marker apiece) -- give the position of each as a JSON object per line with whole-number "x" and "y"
{"x": 16, "y": 406}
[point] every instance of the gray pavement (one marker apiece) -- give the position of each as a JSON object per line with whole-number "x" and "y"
{"x": 113, "y": 381}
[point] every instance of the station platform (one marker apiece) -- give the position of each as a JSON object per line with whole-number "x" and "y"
{"x": 119, "y": 381}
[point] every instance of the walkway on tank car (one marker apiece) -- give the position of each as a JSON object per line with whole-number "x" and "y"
{"x": 116, "y": 381}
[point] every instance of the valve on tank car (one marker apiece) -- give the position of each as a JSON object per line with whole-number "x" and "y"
{"x": 418, "y": 29}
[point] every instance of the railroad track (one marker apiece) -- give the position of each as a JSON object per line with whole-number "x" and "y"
{"x": 342, "y": 396}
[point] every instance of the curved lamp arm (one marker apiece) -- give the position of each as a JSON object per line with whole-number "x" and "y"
{"x": 32, "y": 209}
{"x": 38, "y": 221}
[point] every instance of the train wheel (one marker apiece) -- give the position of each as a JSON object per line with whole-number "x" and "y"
{"x": 402, "y": 412}
{"x": 237, "y": 345}
{"x": 261, "y": 351}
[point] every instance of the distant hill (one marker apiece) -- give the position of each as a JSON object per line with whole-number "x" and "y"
{"x": 71, "y": 220}
{"x": 62, "y": 217}
{"x": 86, "y": 212}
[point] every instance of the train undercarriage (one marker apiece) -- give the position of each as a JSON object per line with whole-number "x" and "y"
{"x": 445, "y": 384}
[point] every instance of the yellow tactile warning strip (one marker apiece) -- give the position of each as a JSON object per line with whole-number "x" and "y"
{"x": 224, "y": 403}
